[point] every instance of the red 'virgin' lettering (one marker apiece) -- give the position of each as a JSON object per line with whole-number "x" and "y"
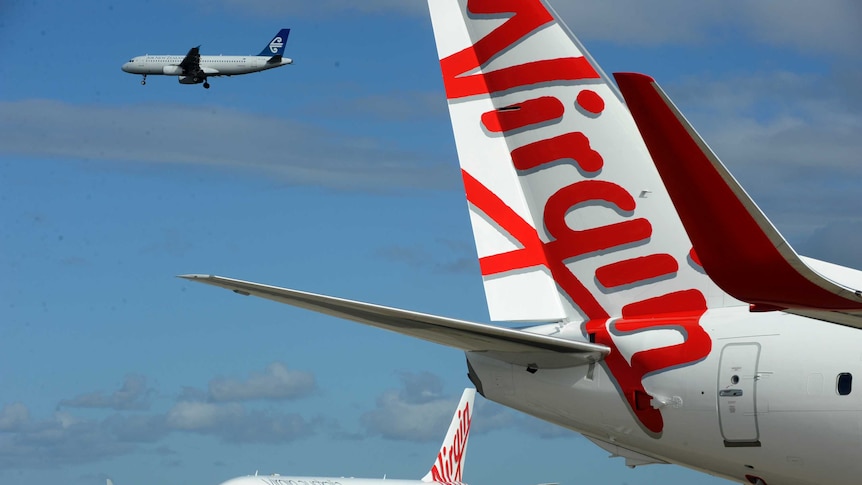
{"x": 448, "y": 467}
{"x": 687, "y": 307}
{"x": 521, "y": 115}
{"x": 635, "y": 270}
{"x": 528, "y": 15}
{"x": 680, "y": 310}
{"x": 575, "y": 146}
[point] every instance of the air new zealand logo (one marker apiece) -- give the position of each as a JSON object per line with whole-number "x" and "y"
{"x": 276, "y": 44}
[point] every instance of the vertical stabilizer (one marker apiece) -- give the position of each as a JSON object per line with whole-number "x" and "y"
{"x": 275, "y": 47}
{"x": 570, "y": 218}
{"x": 449, "y": 465}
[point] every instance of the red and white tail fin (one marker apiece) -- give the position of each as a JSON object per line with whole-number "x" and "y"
{"x": 449, "y": 465}
{"x": 570, "y": 217}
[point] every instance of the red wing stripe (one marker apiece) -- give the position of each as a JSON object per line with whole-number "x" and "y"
{"x": 739, "y": 248}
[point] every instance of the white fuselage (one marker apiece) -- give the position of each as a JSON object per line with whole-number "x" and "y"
{"x": 763, "y": 403}
{"x": 210, "y": 65}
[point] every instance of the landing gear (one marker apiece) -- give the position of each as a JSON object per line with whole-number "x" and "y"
{"x": 206, "y": 85}
{"x": 144, "y": 80}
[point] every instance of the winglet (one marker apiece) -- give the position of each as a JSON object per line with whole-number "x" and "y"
{"x": 449, "y": 465}
{"x": 737, "y": 245}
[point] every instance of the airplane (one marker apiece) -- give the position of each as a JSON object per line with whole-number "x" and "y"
{"x": 448, "y": 467}
{"x": 663, "y": 316}
{"x": 193, "y": 68}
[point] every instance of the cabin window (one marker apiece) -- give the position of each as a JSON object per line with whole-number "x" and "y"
{"x": 844, "y": 383}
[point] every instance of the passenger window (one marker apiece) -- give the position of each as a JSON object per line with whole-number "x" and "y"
{"x": 845, "y": 383}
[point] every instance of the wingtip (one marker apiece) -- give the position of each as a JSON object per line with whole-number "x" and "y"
{"x": 194, "y": 276}
{"x": 632, "y": 78}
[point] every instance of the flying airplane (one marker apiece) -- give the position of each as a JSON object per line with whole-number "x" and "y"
{"x": 448, "y": 467}
{"x": 193, "y": 68}
{"x": 667, "y": 320}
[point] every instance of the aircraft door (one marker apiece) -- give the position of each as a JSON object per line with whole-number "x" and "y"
{"x": 737, "y": 387}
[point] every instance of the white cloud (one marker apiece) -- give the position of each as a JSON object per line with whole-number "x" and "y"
{"x": 325, "y": 7}
{"x": 277, "y": 382}
{"x": 14, "y": 416}
{"x": 792, "y": 140}
{"x": 296, "y": 152}
{"x": 133, "y": 394}
{"x": 197, "y": 416}
{"x": 60, "y": 440}
{"x": 831, "y": 26}
{"x": 828, "y": 26}
{"x": 419, "y": 411}
{"x": 66, "y": 438}
{"x": 234, "y": 423}
{"x": 397, "y": 419}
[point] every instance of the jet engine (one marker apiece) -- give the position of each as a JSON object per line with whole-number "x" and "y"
{"x": 191, "y": 79}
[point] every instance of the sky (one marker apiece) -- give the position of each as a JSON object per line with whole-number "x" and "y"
{"x": 337, "y": 174}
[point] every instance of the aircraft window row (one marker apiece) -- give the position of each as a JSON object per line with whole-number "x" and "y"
{"x": 844, "y": 383}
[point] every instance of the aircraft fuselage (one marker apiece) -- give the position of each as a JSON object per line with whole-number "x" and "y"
{"x": 210, "y": 65}
{"x": 763, "y": 398}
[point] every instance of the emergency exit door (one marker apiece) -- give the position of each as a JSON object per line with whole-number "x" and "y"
{"x": 737, "y": 394}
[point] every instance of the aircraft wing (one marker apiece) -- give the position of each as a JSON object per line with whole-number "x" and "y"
{"x": 736, "y": 244}
{"x": 511, "y": 345}
{"x": 192, "y": 62}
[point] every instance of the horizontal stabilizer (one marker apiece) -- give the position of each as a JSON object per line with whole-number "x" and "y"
{"x": 736, "y": 244}
{"x": 510, "y": 345}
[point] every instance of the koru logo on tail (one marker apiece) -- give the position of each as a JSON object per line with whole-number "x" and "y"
{"x": 276, "y": 44}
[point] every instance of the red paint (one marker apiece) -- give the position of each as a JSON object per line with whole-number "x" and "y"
{"x": 676, "y": 310}
{"x": 574, "y": 146}
{"x": 521, "y": 115}
{"x": 680, "y": 311}
{"x": 528, "y": 16}
{"x": 449, "y": 466}
{"x": 636, "y": 270}
{"x": 590, "y": 101}
{"x": 733, "y": 247}
{"x": 694, "y": 257}
{"x": 531, "y": 253}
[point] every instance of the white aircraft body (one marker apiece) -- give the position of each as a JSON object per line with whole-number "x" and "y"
{"x": 670, "y": 322}
{"x": 193, "y": 68}
{"x": 448, "y": 467}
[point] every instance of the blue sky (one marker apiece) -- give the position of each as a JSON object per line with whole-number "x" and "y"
{"x": 337, "y": 174}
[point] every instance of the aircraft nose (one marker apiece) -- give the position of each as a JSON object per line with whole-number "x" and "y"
{"x": 127, "y": 66}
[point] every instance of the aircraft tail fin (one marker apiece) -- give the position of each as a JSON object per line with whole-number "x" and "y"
{"x": 570, "y": 218}
{"x": 275, "y": 47}
{"x": 449, "y": 465}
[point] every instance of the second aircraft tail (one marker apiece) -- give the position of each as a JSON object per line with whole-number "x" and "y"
{"x": 449, "y": 465}
{"x": 275, "y": 47}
